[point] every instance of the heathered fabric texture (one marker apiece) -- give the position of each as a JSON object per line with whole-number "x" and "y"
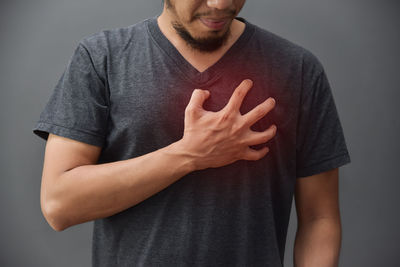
{"x": 126, "y": 89}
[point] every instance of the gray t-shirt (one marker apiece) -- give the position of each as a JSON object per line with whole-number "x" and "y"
{"x": 126, "y": 90}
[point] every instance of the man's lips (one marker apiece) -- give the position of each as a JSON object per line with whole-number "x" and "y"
{"x": 214, "y": 23}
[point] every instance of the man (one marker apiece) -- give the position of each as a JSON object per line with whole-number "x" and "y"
{"x": 185, "y": 136}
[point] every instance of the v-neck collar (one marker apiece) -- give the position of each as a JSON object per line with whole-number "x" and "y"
{"x": 190, "y": 72}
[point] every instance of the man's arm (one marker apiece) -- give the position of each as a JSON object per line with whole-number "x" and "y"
{"x": 75, "y": 189}
{"x": 318, "y": 236}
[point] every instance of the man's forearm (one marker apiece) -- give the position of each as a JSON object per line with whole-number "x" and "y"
{"x": 90, "y": 192}
{"x": 318, "y": 243}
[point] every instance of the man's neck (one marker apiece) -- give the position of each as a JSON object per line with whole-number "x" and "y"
{"x": 198, "y": 59}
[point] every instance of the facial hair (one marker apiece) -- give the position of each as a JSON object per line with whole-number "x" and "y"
{"x": 207, "y": 44}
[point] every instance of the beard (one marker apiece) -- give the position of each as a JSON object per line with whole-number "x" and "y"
{"x": 206, "y": 44}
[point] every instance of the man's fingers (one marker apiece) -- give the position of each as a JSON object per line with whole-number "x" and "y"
{"x": 253, "y": 154}
{"x": 238, "y": 95}
{"x": 262, "y": 137}
{"x": 259, "y": 111}
{"x": 197, "y": 99}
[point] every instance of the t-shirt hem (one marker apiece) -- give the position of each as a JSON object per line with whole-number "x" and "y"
{"x": 43, "y": 129}
{"x": 325, "y": 165}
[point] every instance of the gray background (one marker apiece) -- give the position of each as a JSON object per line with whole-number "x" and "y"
{"x": 357, "y": 41}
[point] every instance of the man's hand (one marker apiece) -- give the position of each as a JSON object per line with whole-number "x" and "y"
{"x": 215, "y": 139}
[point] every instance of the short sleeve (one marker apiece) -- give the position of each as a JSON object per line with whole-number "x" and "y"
{"x": 320, "y": 142}
{"x": 78, "y": 106}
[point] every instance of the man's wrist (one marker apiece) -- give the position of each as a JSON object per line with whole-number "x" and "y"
{"x": 177, "y": 150}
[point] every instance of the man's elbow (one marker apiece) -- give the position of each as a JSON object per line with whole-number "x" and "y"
{"x": 53, "y": 213}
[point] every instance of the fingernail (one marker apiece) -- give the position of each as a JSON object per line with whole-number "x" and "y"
{"x": 273, "y": 100}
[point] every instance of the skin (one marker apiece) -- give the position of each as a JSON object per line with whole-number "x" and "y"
{"x": 318, "y": 236}
{"x": 75, "y": 189}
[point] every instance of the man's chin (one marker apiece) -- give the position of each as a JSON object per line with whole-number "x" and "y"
{"x": 211, "y": 41}
{"x": 207, "y": 44}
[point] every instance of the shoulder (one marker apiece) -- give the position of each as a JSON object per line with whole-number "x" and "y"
{"x": 285, "y": 50}
{"x": 113, "y": 40}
